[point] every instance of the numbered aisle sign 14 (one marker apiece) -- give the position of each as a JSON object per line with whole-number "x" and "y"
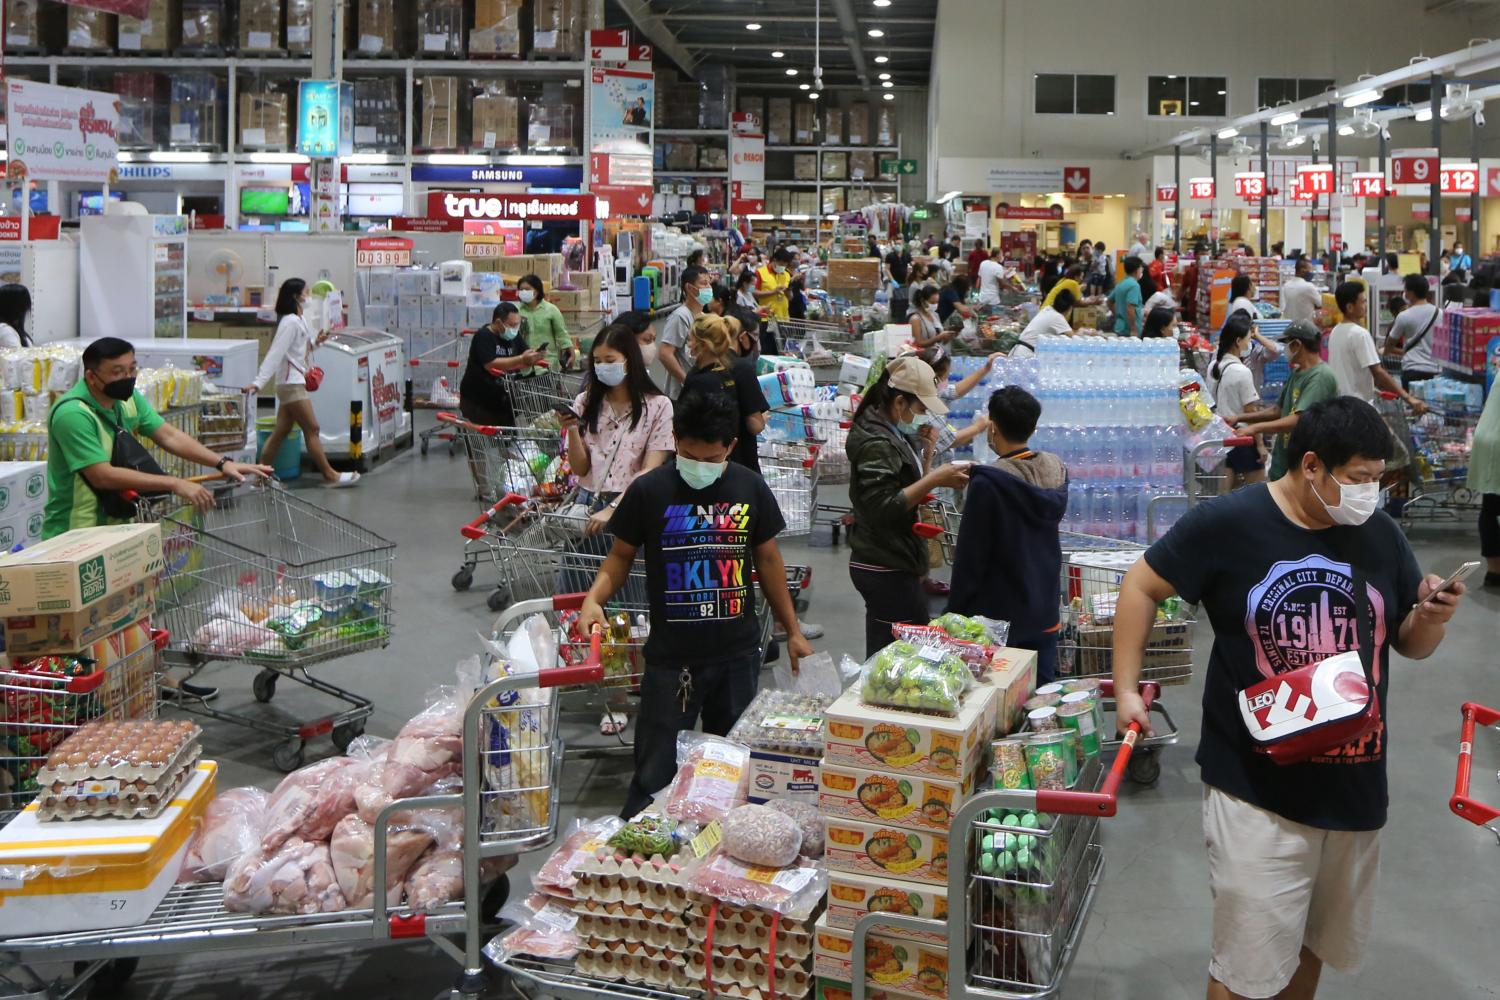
{"x": 383, "y": 251}
{"x": 1367, "y": 185}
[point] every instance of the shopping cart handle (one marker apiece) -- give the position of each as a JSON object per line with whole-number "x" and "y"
{"x": 86, "y": 683}
{"x": 591, "y": 671}
{"x": 1478, "y": 813}
{"x": 474, "y": 530}
{"x": 568, "y": 602}
{"x": 1238, "y": 442}
{"x": 924, "y": 530}
{"x": 1106, "y": 801}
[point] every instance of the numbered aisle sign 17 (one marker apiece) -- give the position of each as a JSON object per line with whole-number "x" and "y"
{"x": 1414, "y": 166}
{"x": 1250, "y": 185}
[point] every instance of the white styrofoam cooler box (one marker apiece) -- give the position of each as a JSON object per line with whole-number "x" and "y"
{"x": 23, "y": 487}
{"x": 124, "y": 867}
{"x": 855, "y": 370}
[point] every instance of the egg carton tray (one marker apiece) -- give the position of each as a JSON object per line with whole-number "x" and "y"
{"x": 751, "y": 968}
{"x": 792, "y": 941}
{"x": 730, "y": 915}
{"x": 179, "y": 740}
{"x": 112, "y": 797}
{"x": 651, "y": 882}
{"x": 656, "y": 930}
{"x": 663, "y": 968}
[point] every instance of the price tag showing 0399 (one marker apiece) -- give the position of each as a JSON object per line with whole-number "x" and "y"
{"x": 382, "y": 258}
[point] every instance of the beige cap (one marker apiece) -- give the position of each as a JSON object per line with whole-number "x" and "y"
{"x": 911, "y": 374}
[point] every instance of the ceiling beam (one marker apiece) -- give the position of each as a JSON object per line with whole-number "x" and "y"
{"x": 780, "y": 19}
{"x": 849, "y": 25}
{"x": 655, "y": 29}
{"x": 759, "y": 46}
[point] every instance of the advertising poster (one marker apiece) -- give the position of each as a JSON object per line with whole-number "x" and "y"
{"x": 325, "y": 118}
{"x": 61, "y": 133}
{"x": 747, "y": 165}
{"x": 622, "y": 108}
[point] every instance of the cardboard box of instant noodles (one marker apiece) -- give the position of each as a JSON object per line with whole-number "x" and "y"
{"x": 893, "y": 739}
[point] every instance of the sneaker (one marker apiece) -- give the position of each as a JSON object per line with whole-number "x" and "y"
{"x": 934, "y": 588}
{"x": 186, "y": 690}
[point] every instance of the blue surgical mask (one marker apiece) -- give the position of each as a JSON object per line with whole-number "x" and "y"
{"x": 610, "y": 372}
{"x": 913, "y": 425}
{"x": 700, "y": 475}
{"x": 509, "y": 332}
{"x": 705, "y": 296}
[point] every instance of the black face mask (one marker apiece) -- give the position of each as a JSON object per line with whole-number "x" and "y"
{"x": 120, "y": 389}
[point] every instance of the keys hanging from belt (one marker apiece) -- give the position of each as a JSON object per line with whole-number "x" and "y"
{"x": 685, "y": 687}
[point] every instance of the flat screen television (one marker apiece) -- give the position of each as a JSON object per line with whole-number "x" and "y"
{"x": 92, "y": 202}
{"x": 264, "y": 201}
{"x": 376, "y": 200}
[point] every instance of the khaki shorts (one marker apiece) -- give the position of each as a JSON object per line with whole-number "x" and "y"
{"x": 1279, "y": 885}
{"x": 291, "y": 393}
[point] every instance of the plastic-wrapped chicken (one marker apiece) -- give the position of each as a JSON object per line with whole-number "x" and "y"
{"x": 231, "y": 829}
{"x": 435, "y": 879}
{"x": 428, "y": 748}
{"x": 310, "y": 801}
{"x": 297, "y": 877}
{"x": 353, "y": 852}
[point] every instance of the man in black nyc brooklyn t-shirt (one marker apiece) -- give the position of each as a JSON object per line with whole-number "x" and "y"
{"x": 1293, "y": 849}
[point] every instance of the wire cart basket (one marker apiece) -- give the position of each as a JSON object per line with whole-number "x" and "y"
{"x": 46, "y": 698}
{"x": 792, "y": 469}
{"x": 269, "y": 579}
{"x": 1436, "y": 478}
{"x": 821, "y": 343}
{"x": 534, "y": 396}
{"x": 435, "y": 375}
{"x": 1462, "y": 803}
{"x": 513, "y": 758}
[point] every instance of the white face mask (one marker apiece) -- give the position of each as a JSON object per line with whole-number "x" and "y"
{"x": 648, "y": 353}
{"x": 1357, "y": 502}
{"x": 526, "y": 295}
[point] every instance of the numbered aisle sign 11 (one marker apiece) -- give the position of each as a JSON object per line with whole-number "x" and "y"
{"x": 1250, "y": 185}
{"x": 383, "y": 251}
{"x": 1414, "y": 166}
{"x": 1315, "y": 179}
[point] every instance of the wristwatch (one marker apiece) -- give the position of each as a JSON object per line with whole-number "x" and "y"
{"x": 223, "y": 461}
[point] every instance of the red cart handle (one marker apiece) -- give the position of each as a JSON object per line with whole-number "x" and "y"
{"x": 475, "y": 528}
{"x": 1239, "y": 442}
{"x": 1462, "y": 804}
{"x": 1105, "y": 801}
{"x": 590, "y": 671}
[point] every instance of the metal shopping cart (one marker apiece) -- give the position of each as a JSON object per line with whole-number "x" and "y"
{"x": 792, "y": 469}
{"x": 1436, "y": 477}
{"x": 46, "y": 698}
{"x": 270, "y": 579}
{"x": 821, "y": 343}
{"x": 513, "y": 757}
{"x": 435, "y": 375}
{"x": 1014, "y": 932}
{"x": 1462, "y": 803}
{"x": 536, "y": 395}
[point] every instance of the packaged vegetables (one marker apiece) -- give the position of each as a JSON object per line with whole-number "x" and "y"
{"x": 924, "y": 678}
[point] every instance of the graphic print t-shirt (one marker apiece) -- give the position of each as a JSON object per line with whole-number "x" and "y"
{"x": 699, "y": 550}
{"x": 1281, "y": 597}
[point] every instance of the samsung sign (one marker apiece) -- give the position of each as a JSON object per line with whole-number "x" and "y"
{"x": 544, "y": 177}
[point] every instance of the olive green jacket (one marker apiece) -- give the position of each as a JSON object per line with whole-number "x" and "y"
{"x": 882, "y": 463}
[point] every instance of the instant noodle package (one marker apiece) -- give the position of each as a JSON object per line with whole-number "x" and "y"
{"x": 877, "y": 737}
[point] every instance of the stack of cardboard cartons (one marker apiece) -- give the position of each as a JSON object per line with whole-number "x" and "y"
{"x": 497, "y": 119}
{"x": 557, "y": 28}
{"x": 33, "y": 27}
{"x": 90, "y": 30}
{"x": 263, "y": 120}
{"x": 497, "y": 28}
{"x": 376, "y": 25}
{"x": 551, "y": 126}
{"x": 299, "y": 26}
{"x": 260, "y": 26}
{"x": 143, "y": 109}
{"x": 439, "y": 112}
{"x": 779, "y": 121}
{"x": 203, "y": 23}
{"x": 857, "y": 124}
{"x": 377, "y": 113}
{"x": 440, "y": 28}
{"x": 833, "y": 126}
{"x": 154, "y": 33}
{"x": 23, "y": 496}
{"x": 862, "y": 165}
{"x": 197, "y": 111}
{"x": 804, "y": 123}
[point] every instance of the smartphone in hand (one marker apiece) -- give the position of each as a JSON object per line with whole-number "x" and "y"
{"x": 1462, "y": 573}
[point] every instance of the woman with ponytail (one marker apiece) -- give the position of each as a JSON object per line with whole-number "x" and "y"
{"x": 718, "y": 372}
{"x": 1233, "y": 388}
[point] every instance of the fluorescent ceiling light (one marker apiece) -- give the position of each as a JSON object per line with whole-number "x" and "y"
{"x": 792, "y": 71}
{"x": 1346, "y": 130}
{"x": 1228, "y": 133}
{"x": 457, "y": 159}
{"x": 534, "y": 160}
{"x": 1171, "y": 76}
{"x": 277, "y": 158}
{"x": 179, "y": 157}
{"x": 889, "y": 97}
{"x": 366, "y": 158}
{"x": 797, "y": 218}
{"x": 887, "y": 84}
{"x": 875, "y": 33}
{"x": 813, "y": 96}
{"x": 882, "y": 60}
{"x": 882, "y": 3}
{"x": 777, "y": 54}
{"x": 1424, "y": 113}
{"x": 753, "y": 26}
{"x": 1223, "y": 92}
{"x": 885, "y": 76}
{"x": 1285, "y": 118}
{"x": 804, "y": 86}
{"x": 1366, "y": 96}
{"x": 761, "y": 218}
{"x": 1193, "y": 104}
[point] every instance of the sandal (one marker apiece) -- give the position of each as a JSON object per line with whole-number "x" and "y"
{"x": 344, "y": 479}
{"x": 612, "y": 724}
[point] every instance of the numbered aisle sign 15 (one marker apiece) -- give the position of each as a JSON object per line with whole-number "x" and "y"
{"x": 383, "y": 251}
{"x": 1367, "y": 185}
{"x": 1201, "y": 187}
{"x": 1460, "y": 178}
{"x": 1414, "y": 166}
{"x": 1250, "y": 185}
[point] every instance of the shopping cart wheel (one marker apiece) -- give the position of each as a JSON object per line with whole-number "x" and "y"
{"x": 343, "y": 735}
{"x": 288, "y": 756}
{"x": 463, "y": 579}
{"x": 110, "y": 979}
{"x": 1145, "y": 766}
{"x": 1463, "y": 496}
{"x": 499, "y": 600}
{"x": 264, "y": 685}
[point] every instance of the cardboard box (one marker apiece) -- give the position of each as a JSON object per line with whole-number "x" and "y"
{"x": 197, "y": 113}
{"x": 854, "y": 273}
{"x": 713, "y": 158}
{"x": 754, "y": 105}
{"x": 260, "y": 26}
{"x": 497, "y": 28}
{"x": 557, "y": 27}
{"x": 1168, "y": 651}
{"x": 378, "y": 115}
{"x": 440, "y": 28}
{"x": 376, "y": 27}
{"x": 23, "y": 488}
{"x": 78, "y": 568}
{"x": 439, "y": 112}
{"x": 880, "y": 738}
{"x": 680, "y": 155}
{"x": 263, "y": 120}
{"x": 885, "y": 127}
{"x": 833, "y": 126}
{"x": 835, "y": 166}
{"x": 804, "y": 123}
{"x": 33, "y": 26}
{"x": 804, "y": 166}
{"x": 497, "y": 121}
{"x": 779, "y": 121}
{"x": 299, "y": 26}
{"x": 852, "y": 896}
{"x": 154, "y": 33}
{"x": 1013, "y": 675}
{"x": 202, "y": 24}
{"x": 433, "y": 316}
{"x": 913, "y": 968}
{"x": 910, "y": 802}
{"x": 113, "y": 873}
{"x": 862, "y": 165}
{"x": 90, "y": 30}
{"x": 829, "y": 988}
{"x": 551, "y": 126}
{"x": 857, "y": 124}
{"x": 24, "y": 527}
{"x": 74, "y": 632}
{"x": 783, "y": 776}
{"x": 885, "y": 851}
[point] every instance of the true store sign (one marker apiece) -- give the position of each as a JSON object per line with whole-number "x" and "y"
{"x": 517, "y": 207}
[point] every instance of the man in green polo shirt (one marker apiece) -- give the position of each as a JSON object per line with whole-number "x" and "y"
{"x": 1312, "y": 381}
{"x": 81, "y": 430}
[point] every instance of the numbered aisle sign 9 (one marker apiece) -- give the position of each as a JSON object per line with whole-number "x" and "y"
{"x": 1414, "y": 166}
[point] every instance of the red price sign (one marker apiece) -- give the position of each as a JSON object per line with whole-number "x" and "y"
{"x": 1166, "y": 192}
{"x": 1250, "y": 185}
{"x": 1201, "y": 187}
{"x": 483, "y": 251}
{"x": 391, "y": 251}
{"x": 1368, "y": 185}
{"x": 1316, "y": 179}
{"x": 1460, "y": 178}
{"x": 1414, "y": 167}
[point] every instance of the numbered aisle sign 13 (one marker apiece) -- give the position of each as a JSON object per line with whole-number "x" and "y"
{"x": 1414, "y": 166}
{"x": 1250, "y": 185}
{"x": 383, "y": 251}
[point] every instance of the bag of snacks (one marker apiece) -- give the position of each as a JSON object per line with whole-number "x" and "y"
{"x": 759, "y": 835}
{"x": 927, "y": 678}
{"x": 713, "y": 776}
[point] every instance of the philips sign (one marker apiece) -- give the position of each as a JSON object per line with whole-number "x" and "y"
{"x": 519, "y": 207}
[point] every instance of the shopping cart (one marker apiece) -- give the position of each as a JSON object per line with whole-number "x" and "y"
{"x": 534, "y": 396}
{"x": 46, "y": 698}
{"x": 1462, "y": 803}
{"x": 791, "y": 469}
{"x": 821, "y": 343}
{"x": 513, "y": 758}
{"x": 1436, "y": 477}
{"x": 270, "y": 579}
{"x": 435, "y": 374}
{"x": 1014, "y": 933}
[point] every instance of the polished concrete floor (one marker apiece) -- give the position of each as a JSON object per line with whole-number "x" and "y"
{"x": 1439, "y": 900}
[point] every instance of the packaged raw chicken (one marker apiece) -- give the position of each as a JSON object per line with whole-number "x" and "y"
{"x": 436, "y": 878}
{"x": 556, "y": 875}
{"x": 713, "y": 776}
{"x": 297, "y": 877}
{"x": 310, "y": 801}
{"x": 231, "y": 829}
{"x": 790, "y": 891}
{"x": 427, "y": 748}
{"x": 352, "y": 851}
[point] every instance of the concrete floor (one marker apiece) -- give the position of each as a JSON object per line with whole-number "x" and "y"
{"x": 1148, "y": 938}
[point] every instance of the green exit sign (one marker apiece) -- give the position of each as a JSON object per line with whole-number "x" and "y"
{"x": 919, "y": 213}
{"x": 901, "y": 168}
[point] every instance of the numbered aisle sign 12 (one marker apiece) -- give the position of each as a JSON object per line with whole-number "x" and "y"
{"x": 1460, "y": 178}
{"x": 383, "y": 251}
{"x": 1414, "y": 166}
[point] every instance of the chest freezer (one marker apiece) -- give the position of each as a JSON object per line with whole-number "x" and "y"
{"x": 229, "y": 364}
{"x": 367, "y": 367}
